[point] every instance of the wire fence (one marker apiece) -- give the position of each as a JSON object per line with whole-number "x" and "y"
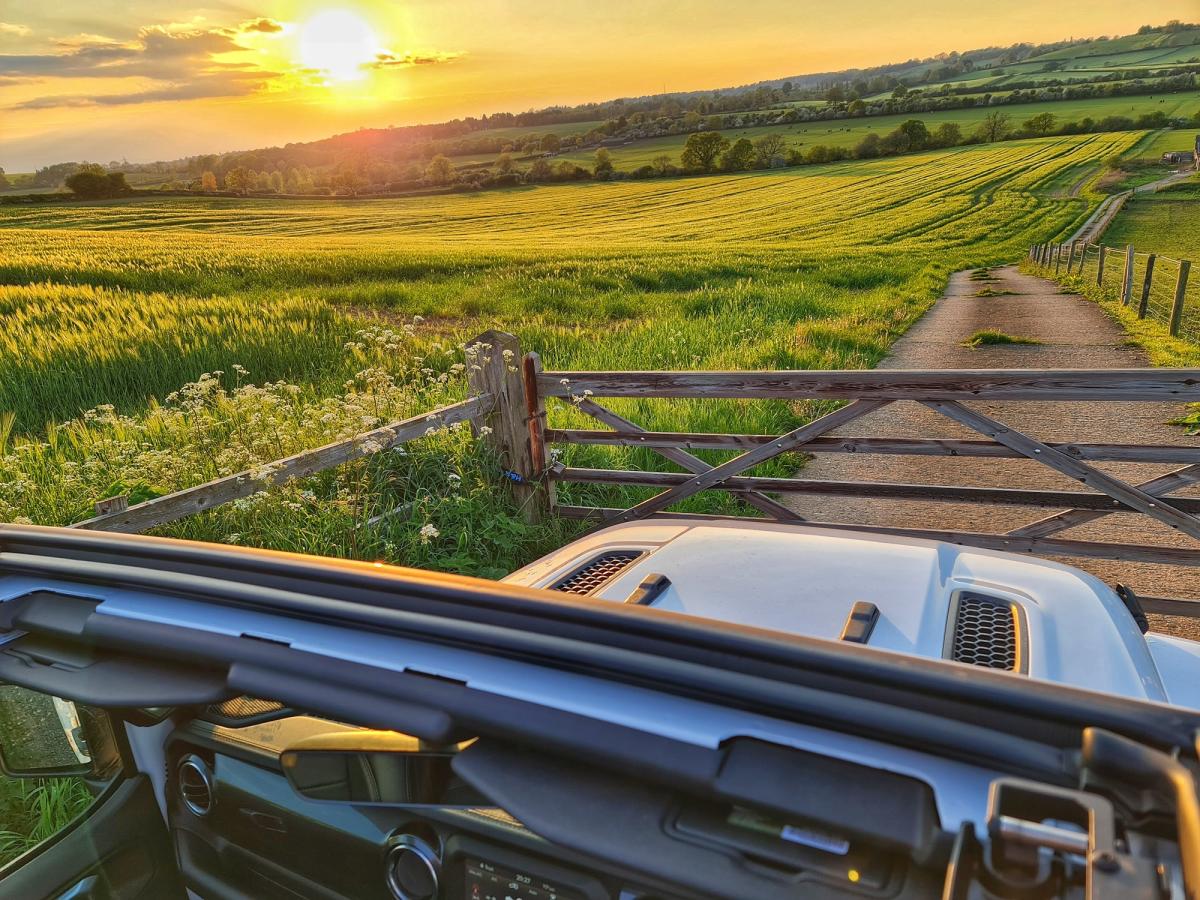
{"x": 1158, "y": 288}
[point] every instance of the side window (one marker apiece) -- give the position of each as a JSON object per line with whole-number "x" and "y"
{"x": 55, "y": 759}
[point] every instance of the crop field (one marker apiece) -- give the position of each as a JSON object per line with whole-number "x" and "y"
{"x": 848, "y": 132}
{"x": 351, "y": 314}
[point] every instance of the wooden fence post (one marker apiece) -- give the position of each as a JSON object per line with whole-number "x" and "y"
{"x": 1145, "y": 301}
{"x": 1100, "y": 267}
{"x": 494, "y": 367}
{"x": 1127, "y": 279}
{"x": 1180, "y": 293}
{"x": 1057, "y": 259}
{"x": 535, "y": 417}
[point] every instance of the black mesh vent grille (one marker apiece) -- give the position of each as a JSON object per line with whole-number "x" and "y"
{"x": 592, "y": 574}
{"x": 986, "y": 632}
{"x": 245, "y": 708}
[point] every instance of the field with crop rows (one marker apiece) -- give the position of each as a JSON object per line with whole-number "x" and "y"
{"x": 348, "y": 314}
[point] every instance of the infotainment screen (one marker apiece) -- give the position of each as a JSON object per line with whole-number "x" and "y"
{"x": 484, "y": 880}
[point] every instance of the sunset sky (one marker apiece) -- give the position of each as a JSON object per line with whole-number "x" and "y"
{"x": 103, "y": 80}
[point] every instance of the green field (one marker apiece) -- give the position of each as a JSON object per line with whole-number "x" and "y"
{"x": 1167, "y": 224}
{"x": 848, "y": 132}
{"x": 358, "y": 311}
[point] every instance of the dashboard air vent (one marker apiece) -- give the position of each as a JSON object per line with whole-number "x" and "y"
{"x": 242, "y": 711}
{"x": 986, "y": 631}
{"x": 195, "y": 785}
{"x": 588, "y": 578}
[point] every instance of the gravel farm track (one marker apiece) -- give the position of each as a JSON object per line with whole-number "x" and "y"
{"x": 1074, "y": 333}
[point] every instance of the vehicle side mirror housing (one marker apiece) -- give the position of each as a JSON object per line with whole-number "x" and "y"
{"x": 43, "y": 736}
{"x": 377, "y": 768}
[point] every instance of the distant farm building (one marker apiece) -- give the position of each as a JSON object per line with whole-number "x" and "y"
{"x": 1179, "y": 156}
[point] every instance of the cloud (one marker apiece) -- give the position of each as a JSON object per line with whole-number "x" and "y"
{"x": 183, "y": 61}
{"x": 407, "y": 60}
{"x": 157, "y": 52}
{"x": 262, "y": 26}
{"x": 228, "y": 84}
{"x": 7, "y": 29}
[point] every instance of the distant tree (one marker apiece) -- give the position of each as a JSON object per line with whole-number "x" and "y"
{"x": 551, "y": 143}
{"x": 568, "y": 171}
{"x": 662, "y": 165}
{"x": 5, "y": 184}
{"x": 868, "y": 147}
{"x": 702, "y": 150}
{"x": 541, "y": 170}
{"x": 916, "y": 132}
{"x": 856, "y": 108}
{"x": 208, "y": 182}
{"x": 895, "y": 141}
{"x": 238, "y": 180}
{"x": 788, "y": 87}
{"x": 770, "y": 147}
{"x": 603, "y": 165}
{"x": 92, "y": 182}
{"x": 505, "y": 164}
{"x": 276, "y": 182}
{"x": 1042, "y": 123}
{"x": 440, "y": 170}
{"x": 899, "y": 92}
{"x": 739, "y": 157}
{"x": 948, "y": 134}
{"x": 714, "y": 123}
{"x": 994, "y": 127}
{"x": 819, "y": 153}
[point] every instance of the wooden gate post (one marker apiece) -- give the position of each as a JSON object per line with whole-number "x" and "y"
{"x": 1127, "y": 278}
{"x": 1146, "y": 282}
{"x": 1100, "y": 267}
{"x": 1180, "y": 293}
{"x": 494, "y": 367}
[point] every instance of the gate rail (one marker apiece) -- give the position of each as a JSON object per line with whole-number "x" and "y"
{"x": 948, "y": 393}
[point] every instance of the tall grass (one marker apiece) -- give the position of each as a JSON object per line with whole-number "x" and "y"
{"x": 33, "y": 810}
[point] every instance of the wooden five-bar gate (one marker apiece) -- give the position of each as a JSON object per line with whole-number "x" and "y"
{"x": 513, "y": 397}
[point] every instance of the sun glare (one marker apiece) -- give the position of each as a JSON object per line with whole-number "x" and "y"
{"x": 339, "y": 44}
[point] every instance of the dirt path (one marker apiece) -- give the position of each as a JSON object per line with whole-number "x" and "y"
{"x": 1074, "y": 333}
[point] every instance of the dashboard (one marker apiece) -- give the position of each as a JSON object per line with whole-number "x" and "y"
{"x": 241, "y": 832}
{"x": 773, "y": 822}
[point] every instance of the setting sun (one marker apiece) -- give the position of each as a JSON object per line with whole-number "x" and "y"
{"x": 339, "y": 44}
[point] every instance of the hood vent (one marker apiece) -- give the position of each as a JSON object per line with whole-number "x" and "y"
{"x": 986, "y": 631}
{"x": 588, "y": 578}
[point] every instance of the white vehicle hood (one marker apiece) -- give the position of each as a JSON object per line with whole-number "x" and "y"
{"x": 805, "y": 580}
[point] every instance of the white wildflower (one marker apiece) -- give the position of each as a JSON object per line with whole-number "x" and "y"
{"x": 428, "y": 533}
